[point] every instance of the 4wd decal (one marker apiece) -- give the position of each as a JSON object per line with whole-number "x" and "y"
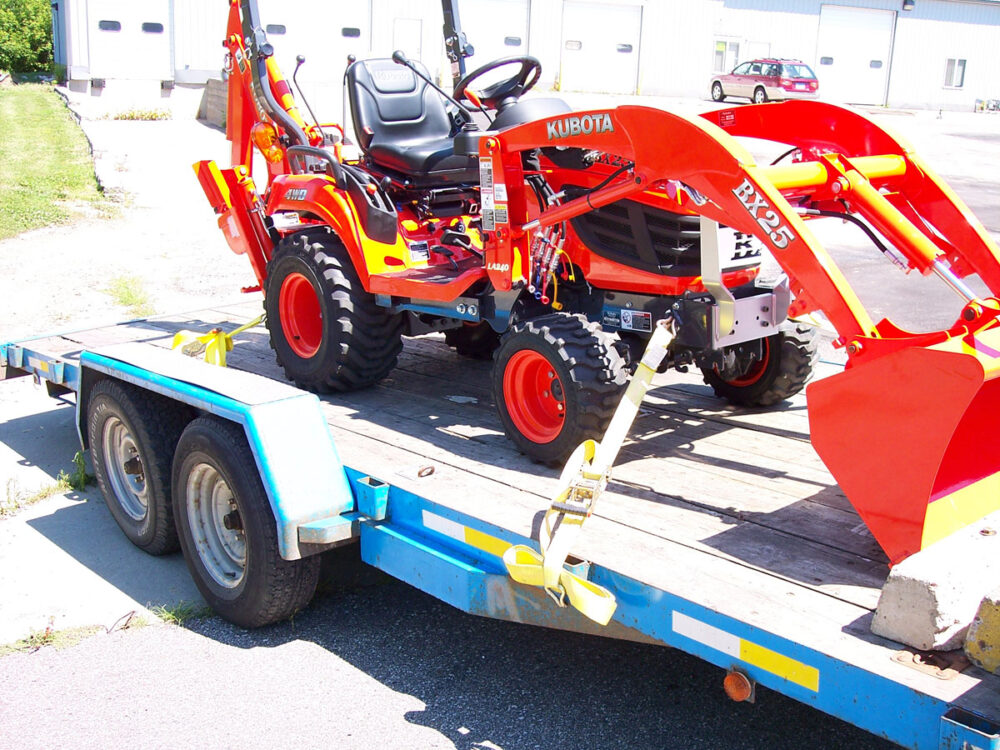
{"x": 581, "y": 125}
{"x": 765, "y": 215}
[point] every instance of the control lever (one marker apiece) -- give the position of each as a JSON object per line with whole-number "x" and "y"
{"x": 447, "y": 253}
{"x": 399, "y": 57}
{"x": 299, "y": 59}
{"x": 459, "y": 239}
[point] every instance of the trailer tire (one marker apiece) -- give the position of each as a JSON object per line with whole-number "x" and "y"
{"x": 557, "y": 380}
{"x": 326, "y": 330}
{"x": 789, "y": 359}
{"x": 132, "y": 435}
{"x": 476, "y": 341}
{"x": 228, "y": 532}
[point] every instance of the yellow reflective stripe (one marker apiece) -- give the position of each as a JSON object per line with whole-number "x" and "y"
{"x": 459, "y": 532}
{"x": 950, "y": 513}
{"x": 779, "y": 664}
{"x": 485, "y": 542}
{"x": 747, "y": 651}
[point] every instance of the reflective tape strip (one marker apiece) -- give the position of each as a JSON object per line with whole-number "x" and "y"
{"x": 465, "y": 534}
{"x": 747, "y": 651}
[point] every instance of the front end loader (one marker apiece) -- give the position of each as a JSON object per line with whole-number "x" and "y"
{"x": 554, "y": 241}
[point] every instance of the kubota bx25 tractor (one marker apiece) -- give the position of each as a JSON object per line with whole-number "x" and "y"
{"x": 553, "y": 240}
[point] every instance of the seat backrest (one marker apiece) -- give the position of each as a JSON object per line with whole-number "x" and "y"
{"x": 389, "y": 104}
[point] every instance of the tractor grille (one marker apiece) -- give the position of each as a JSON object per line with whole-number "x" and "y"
{"x": 642, "y": 237}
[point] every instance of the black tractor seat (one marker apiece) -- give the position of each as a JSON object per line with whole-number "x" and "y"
{"x": 403, "y": 126}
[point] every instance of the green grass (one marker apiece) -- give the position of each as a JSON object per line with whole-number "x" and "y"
{"x": 57, "y": 639}
{"x": 129, "y": 292}
{"x": 142, "y": 114}
{"x": 180, "y": 613}
{"x": 46, "y": 170}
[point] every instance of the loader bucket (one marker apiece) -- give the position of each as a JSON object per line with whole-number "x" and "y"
{"x": 912, "y": 438}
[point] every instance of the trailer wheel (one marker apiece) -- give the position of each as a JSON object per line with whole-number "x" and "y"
{"x": 132, "y": 437}
{"x": 557, "y": 380}
{"x": 477, "y": 341}
{"x": 227, "y": 529}
{"x": 785, "y": 367}
{"x": 326, "y": 330}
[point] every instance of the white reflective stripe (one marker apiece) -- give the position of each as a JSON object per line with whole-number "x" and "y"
{"x": 444, "y": 526}
{"x": 706, "y": 634}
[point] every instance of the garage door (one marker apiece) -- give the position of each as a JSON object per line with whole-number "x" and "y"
{"x": 600, "y": 47}
{"x": 495, "y": 28}
{"x": 129, "y": 40}
{"x": 853, "y": 53}
{"x": 326, "y": 33}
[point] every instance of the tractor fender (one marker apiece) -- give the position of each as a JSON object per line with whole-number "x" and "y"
{"x": 317, "y": 195}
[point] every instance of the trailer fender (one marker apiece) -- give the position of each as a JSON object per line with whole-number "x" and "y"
{"x": 305, "y": 481}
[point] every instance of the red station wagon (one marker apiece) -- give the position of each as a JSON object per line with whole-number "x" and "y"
{"x": 768, "y": 78}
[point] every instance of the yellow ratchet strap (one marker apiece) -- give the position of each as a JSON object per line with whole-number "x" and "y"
{"x": 581, "y": 483}
{"x": 211, "y": 346}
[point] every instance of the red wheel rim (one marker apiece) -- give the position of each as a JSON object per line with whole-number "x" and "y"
{"x": 534, "y": 396}
{"x": 300, "y": 315}
{"x": 757, "y": 369}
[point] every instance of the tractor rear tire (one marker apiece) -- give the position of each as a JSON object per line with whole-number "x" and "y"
{"x": 789, "y": 358}
{"x": 132, "y": 434}
{"x": 326, "y": 330}
{"x": 477, "y": 341}
{"x": 227, "y": 529}
{"x": 557, "y": 380}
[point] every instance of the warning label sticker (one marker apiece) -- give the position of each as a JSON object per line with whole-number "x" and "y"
{"x": 500, "y": 215}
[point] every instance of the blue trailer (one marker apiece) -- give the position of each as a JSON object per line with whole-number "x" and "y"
{"x": 721, "y": 533}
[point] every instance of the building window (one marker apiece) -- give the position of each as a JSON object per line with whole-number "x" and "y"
{"x": 277, "y": 29}
{"x": 153, "y": 28}
{"x": 109, "y": 26}
{"x": 727, "y": 54}
{"x": 954, "y": 73}
{"x": 350, "y": 32}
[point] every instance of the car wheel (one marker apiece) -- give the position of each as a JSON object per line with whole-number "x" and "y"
{"x": 759, "y": 95}
{"x": 718, "y": 94}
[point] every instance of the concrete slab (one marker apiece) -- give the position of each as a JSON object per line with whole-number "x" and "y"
{"x": 930, "y": 599}
{"x": 63, "y": 560}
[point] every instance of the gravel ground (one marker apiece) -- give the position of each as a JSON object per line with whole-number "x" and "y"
{"x": 368, "y": 665}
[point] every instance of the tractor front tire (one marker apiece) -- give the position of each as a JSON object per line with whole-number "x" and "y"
{"x": 326, "y": 330}
{"x": 227, "y": 529}
{"x": 557, "y": 380}
{"x": 787, "y": 364}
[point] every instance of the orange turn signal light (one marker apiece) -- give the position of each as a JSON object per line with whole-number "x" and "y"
{"x": 738, "y": 686}
{"x": 265, "y": 138}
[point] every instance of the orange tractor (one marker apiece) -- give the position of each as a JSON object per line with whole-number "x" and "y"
{"x": 554, "y": 240}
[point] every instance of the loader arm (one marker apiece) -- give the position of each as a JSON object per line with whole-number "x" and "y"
{"x": 907, "y": 429}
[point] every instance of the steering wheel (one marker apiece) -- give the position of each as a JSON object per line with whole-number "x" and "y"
{"x": 513, "y": 87}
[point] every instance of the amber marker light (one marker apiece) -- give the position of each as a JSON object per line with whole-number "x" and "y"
{"x": 265, "y": 137}
{"x": 738, "y": 686}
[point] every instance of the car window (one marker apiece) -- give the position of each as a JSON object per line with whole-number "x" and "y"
{"x": 741, "y": 70}
{"x": 755, "y": 69}
{"x": 770, "y": 70}
{"x": 798, "y": 70}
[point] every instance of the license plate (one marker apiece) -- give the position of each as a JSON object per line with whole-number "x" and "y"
{"x": 800, "y": 86}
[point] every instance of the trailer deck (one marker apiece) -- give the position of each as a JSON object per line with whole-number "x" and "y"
{"x": 721, "y": 533}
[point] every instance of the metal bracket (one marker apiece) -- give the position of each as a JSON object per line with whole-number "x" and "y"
{"x": 711, "y": 277}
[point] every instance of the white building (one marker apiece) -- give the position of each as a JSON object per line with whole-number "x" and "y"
{"x": 914, "y": 53}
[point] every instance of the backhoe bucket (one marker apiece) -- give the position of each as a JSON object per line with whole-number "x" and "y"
{"x": 912, "y": 438}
